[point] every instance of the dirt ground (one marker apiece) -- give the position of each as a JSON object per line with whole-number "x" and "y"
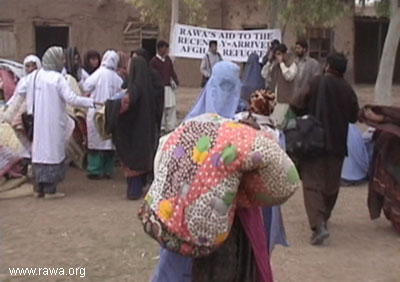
{"x": 96, "y": 228}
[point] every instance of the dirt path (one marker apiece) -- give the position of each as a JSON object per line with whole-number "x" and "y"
{"x": 96, "y": 228}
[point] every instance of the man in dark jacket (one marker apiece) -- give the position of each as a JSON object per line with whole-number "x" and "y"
{"x": 321, "y": 175}
{"x": 163, "y": 64}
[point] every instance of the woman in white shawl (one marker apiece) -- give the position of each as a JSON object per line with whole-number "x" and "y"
{"x": 16, "y": 106}
{"x": 102, "y": 85}
{"x": 31, "y": 63}
{"x": 14, "y": 146}
{"x": 47, "y": 95}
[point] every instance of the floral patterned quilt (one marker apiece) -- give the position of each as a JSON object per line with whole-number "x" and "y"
{"x": 207, "y": 168}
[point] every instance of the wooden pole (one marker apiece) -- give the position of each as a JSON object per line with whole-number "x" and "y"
{"x": 174, "y": 20}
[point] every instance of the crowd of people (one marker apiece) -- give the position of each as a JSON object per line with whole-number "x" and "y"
{"x": 101, "y": 110}
{"x": 77, "y": 132}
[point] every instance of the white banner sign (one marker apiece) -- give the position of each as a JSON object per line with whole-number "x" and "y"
{"x": 233, "y": 45}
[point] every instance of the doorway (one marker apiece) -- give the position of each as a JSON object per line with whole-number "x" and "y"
{"x": 370, "y": 34}
{"x": 47, "y": 36}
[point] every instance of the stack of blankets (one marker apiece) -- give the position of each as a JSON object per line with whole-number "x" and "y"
{"x": 206, "y": 169}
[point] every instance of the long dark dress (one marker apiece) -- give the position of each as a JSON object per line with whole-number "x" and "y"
{"x": 134, "y": 132}
{"x": 232, "y": 262}
{"x": 158, "y": 86}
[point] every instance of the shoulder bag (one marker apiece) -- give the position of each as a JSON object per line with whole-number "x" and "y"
{"x": 305, "y": 135}
{"x": 28, "y": 119}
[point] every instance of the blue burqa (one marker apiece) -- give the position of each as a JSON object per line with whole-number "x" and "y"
{"x": 252, "y": 79}
{"x": 221, "y": 93}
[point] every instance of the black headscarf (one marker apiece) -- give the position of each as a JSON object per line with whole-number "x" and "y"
{"x": 134, "y": 132}
{"x": 158, "y": 85}
{"x": 143, "y": 53}
{"x": 73, "y": 68}
{"x": 86, "y": 61}
{"x": 139, "y": 79}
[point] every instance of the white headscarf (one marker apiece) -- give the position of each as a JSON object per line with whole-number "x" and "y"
{"x": 32, "y": 59}
{"x": 53, "y": 59}
{"x": 110, "y": 60}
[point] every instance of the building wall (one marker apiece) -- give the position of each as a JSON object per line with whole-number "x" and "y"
{"x": 99, "y": 24}
{"x": 93, "y": 24}
{"x": 239, "y": 14}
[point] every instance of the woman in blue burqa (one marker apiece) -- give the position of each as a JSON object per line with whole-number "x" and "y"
{"x": 251, "y": 81}
{"x": 221, "y": 95}
{"x": 356, "y": 165}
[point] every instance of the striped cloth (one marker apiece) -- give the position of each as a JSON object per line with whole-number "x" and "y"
{"x": 49, "y": 173}
{"x": 10, "y": 148}
{"x": 8, "y": 158}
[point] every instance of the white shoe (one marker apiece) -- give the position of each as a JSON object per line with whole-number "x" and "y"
{"x": 54, "y": 196}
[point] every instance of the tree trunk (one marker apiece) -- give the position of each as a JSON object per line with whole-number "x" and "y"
{"x": 275, "y": 7}
{"x": 273, "y": 13}
{"x": 174, "y": 20}
{"x": 384, "y": 81}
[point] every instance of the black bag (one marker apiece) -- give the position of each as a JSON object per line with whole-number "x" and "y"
{"x": 28, "y": 119}
{"x": 27, "y": 122}
{"x": 305, "y": 135}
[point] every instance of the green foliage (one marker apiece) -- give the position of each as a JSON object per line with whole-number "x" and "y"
{"x": 383, "y": 8}
{"x": 196, "y": 12}
{"x": 154, "y": 11}
{"x": 311, "y": 13}
{"x": 159, "y": 11}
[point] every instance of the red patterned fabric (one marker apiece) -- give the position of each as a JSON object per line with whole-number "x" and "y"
{"x": 9, "y": 84}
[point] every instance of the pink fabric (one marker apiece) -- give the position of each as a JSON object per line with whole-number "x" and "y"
{"x": 8, "y": 159}
{"x": 8, "y": 84}
{"x": 252, "y": 222}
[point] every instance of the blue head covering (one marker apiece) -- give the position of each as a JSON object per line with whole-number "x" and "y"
{"x": 221, "y": 93}
{"x": 252, "y": 79}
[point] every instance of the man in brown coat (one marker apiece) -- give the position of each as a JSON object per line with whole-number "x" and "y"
{"x": 321, "y": 174}
{"x": 279, "y": 74}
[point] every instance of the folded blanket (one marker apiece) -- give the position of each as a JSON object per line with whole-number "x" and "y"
{"x": 10, "y": 148}
{"x": 208, "y": 167}
{"x": 100, "y": 123}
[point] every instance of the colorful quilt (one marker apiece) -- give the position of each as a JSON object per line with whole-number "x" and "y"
{"x": 208, "y": 167}
{"x": 10, "y": 148}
